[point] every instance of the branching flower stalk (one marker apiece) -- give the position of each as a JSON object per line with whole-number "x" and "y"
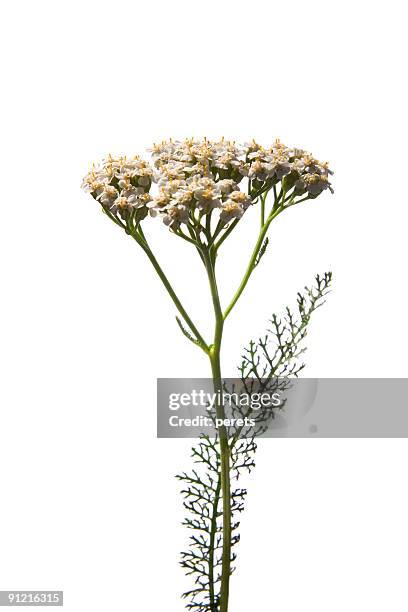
{"x": 201, "y": 190}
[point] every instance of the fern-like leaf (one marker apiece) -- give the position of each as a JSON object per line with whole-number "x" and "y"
{"x": 267, "y": 364}
{"x": 261, "y": 251}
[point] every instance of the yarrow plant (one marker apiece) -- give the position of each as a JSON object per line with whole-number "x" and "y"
{"x": 201, "y": 189}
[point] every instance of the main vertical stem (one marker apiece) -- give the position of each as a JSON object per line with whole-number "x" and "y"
{"x": 214, "y": 354}
{"x": 225, "y": 484}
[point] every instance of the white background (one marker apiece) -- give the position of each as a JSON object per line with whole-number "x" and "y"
{"x": 88, "y": 502}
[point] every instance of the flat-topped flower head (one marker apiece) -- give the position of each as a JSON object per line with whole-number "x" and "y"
{"x": 191, "y": 179}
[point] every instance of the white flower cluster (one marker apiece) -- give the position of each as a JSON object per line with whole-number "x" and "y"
{"x": 199, "y": 176}
{"x": 177, "y": 197}
{"x": 120, "y": 184}
{"x": 274, "y": 163}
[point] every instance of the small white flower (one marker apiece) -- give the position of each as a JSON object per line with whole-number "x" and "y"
{"x": 241, "y": 198}
{"x": 282, "y": 167}
{"x": 159, "y": 202}
{"x": 93, "y": 185}
{"x": 120, "y": 204}
{"x": 207, "y": 199}
{"x": 175, "y": 215}
{"x": 108, "y": 196}
{"x": 314, "y": 184}
{"x": 231, "y": 210}
{"x": 226, "y": 186}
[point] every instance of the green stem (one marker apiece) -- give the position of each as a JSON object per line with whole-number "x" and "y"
{"x": 231, "y": 227}
{"x": 252, "y": 260}
{"x": 141, "y": 240}
{"x": 263, "y": 199}
{"x": 213, "y": 534}
{"x": 214, "y": 354}
{"x": 225, "y": 485}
